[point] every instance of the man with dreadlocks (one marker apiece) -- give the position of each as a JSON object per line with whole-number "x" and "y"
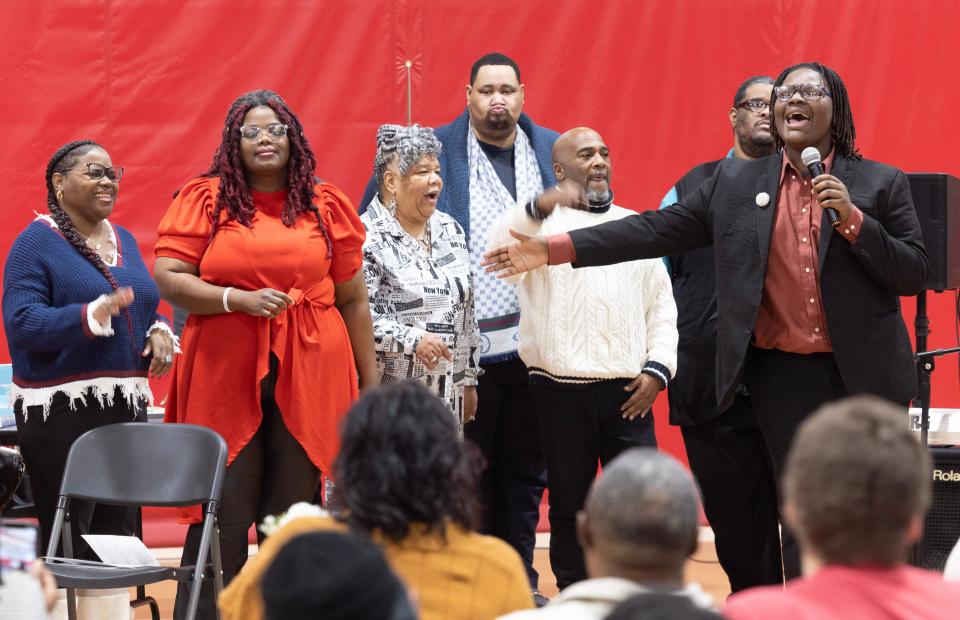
{"x": 74, "y": 368}
{"x": 266, "y": 260}
{"x": 806, "y": 312}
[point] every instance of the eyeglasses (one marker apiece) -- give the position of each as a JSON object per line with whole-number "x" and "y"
{"x": 274, "y": 130}
{"x": 755, "y": 105}
{"x": 95, "y": 172}
{"x": 810, "y": 92}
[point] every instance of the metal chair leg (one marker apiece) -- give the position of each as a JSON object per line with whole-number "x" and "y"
{"x": 217, "y": 564}
{"x": 142, "y": 599}
{"x": 200, "y": 567}
{"x": 71, "y": 604}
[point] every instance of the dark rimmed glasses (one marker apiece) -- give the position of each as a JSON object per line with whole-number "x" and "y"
{"x": 95, "y": 172}
{"x": 274, "y": 130}
{"x": 810, "y": 92}
{"x": 754, "y": 105}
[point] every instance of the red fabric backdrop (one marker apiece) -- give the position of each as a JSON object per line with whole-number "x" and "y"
{"x": 151, "y": 80}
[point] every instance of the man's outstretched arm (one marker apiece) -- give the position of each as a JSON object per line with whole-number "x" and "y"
{"x": 651, "y": 234}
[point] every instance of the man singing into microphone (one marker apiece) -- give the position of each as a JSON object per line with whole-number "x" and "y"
{"x": 806, "y": 312}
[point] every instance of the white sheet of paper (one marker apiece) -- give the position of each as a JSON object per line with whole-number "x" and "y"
{"x": 121, "y": 550}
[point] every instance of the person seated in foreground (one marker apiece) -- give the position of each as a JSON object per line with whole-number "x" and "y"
{"x": 405, "y": 480}
{"x": 661, "y": 606}
{"x": 333, "y": 576}
{"x": 637, "y": 529}
{"x": 857, "y": 485}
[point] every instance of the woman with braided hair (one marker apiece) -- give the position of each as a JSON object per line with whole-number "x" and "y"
{"x": 80, "y": 314}
{"x": 267, "y": 261}
{"x": 417, "y": 271}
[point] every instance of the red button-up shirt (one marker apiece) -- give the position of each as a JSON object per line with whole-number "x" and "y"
{"x": 791, "y": 316}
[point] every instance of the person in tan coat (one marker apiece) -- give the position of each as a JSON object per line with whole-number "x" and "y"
{"x": 404, "y": 480}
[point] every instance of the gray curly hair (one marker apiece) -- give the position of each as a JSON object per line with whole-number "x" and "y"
{"x": 405, "y": 145}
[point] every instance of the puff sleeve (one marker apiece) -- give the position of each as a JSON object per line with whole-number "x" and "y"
{"x": 346, "y": 232}
{"x": 185, "y": 229}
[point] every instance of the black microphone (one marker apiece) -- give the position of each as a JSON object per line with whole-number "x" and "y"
{"x": 811, "y": 159}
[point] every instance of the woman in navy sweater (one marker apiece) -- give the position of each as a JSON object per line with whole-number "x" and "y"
{"x": 80, "y": 314}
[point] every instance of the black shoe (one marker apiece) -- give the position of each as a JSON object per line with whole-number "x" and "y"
{"x": 539, "y": 599}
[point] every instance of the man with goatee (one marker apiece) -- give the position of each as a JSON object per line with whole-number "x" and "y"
{"x": 493, "y": 156}
{"x": 599, "y": 344}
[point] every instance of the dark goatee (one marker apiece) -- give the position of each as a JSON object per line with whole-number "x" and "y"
{"x": 501, "y": 122}
{"x": 757, "y": 145}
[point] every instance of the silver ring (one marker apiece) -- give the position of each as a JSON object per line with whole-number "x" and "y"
{"x": 168, "y": 358}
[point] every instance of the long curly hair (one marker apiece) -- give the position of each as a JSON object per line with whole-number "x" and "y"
{"x": 234, "y": 196}
{"x": 401, "y": 462}
{"x": 61, "y": 162}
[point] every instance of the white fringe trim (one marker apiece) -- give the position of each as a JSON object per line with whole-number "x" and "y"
{"x": 133, "y": 389}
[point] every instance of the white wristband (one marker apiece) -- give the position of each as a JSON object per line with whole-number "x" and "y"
{"x": 226, "y": 293}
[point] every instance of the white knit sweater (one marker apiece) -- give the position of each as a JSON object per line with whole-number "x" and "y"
{"x": 593, "y": 323}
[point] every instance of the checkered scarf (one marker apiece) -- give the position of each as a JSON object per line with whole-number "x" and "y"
{"x": 497, "y": 306}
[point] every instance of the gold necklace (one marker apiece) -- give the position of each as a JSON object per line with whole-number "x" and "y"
{"x": 99, "y": 243}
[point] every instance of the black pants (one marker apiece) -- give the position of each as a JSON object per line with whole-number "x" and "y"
{"x": 728, "y": 457}
{"x": 44, "y": 445}
{"x": 785, "y": 388}
{"x": 271, "y": 472}
{"x": 512, "y": 483}
{"x": 578, "y": 427}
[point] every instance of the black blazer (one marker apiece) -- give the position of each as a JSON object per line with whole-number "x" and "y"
{"x": 693, "y": 392}
{"x": 860, "y": 283}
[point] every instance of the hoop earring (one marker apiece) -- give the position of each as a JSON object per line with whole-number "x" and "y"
{"x": 60, "y": 194}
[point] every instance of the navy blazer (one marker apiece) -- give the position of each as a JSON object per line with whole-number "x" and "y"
{"x": 860, "y": 283}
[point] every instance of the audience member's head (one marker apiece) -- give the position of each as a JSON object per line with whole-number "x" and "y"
{"x": 857, "y": 483}
{"x": 401, "y": 462}
{"x": 333, "y": 576}
{"x": 640, "y": 519}
{"x": 661, "y": 606}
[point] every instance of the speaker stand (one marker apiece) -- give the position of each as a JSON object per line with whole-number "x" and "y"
{"x": 926, "y": 364}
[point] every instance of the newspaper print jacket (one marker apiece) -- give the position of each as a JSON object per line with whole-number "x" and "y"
{"x": 412, "y": 293}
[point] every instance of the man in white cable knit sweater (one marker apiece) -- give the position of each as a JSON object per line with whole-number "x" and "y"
{"x": 599, "y": 343}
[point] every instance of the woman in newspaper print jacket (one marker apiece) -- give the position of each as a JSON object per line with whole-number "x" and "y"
{"x": 417, "y": 268}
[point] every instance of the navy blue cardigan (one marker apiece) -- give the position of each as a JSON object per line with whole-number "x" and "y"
{"x": 47, "y": 286}
{"x": 454, "y": 165}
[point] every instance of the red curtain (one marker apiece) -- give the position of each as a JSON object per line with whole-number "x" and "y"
{"x": 152, "y": 81}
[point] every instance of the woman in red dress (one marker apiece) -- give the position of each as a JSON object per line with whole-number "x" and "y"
{"x": 267, "y": 261}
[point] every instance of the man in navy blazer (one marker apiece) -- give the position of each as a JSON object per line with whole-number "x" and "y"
{"x": 808, "y": 311}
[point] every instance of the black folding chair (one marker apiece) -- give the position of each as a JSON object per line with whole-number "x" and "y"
{"x": 140, "y": 464}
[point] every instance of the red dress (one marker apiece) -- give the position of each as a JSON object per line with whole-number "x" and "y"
{"x": 216, "y": 380}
